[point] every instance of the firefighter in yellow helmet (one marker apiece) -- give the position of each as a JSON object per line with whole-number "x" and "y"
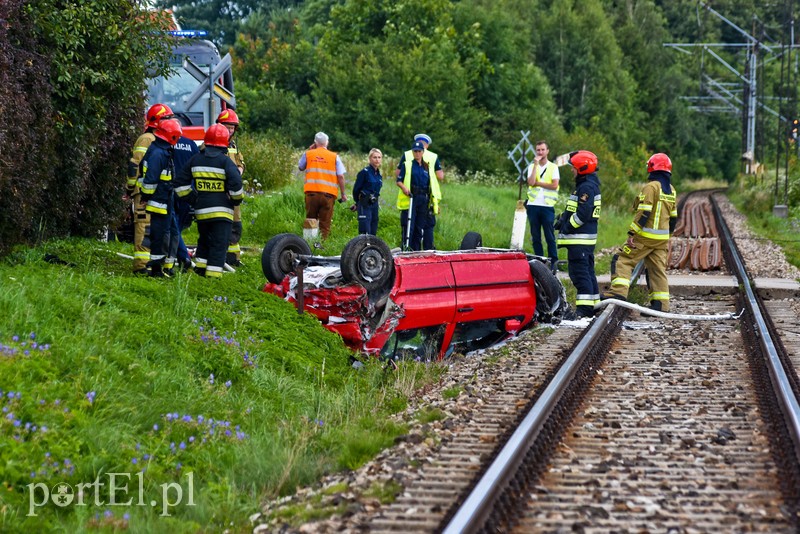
{"x": 230, "y": 120}
{"x": 648, "y": 236}
{"x": 141, "y": 218}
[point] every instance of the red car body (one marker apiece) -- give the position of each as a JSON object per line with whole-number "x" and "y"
{"x": 438, "y": 302}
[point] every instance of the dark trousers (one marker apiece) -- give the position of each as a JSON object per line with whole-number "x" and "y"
{"x": 581, "y": 273}
{"x": 212, "y": 245}
{"x": 163, "y": 240}
{"x": 320, "y": 206}
{"x": 368, "y": 217}
{"x": 541, "y": 218}
{"x": 183, "y": 219}
{"x": 422, "y": 223}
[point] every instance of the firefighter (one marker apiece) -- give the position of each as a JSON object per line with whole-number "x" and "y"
{"x": 211, "y": 182}
{"x": 648, "y": 236}
{"x": 577, "y": 231}
{"x": 230, "y": 120}
{"x": 157, "y": 170}
{"x": 141, "y": 218}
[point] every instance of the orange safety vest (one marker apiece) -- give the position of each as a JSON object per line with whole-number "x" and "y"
{"x": 321, "y": 172}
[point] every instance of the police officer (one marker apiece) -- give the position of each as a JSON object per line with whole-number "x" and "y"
{"x": 366, "y": 191}
{"x": 418, "y": 183}
{"x": 157, "y": 171}
{"x": 577, "y": 230}
{"x": 403, "y": 198}
{"x": 141, "y": 218}
{"x": 212, "y": 183}
{"x": 230, "y": 120}
{"x": 184, "y": 149}
{"x": 648, "y": 236}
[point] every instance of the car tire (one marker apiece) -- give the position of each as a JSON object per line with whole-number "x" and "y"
{"x": 471, "y": 241}
{"x": 549, "y": 291}
{"x": 277, "y": 259}
{"x": 367, "y": 260}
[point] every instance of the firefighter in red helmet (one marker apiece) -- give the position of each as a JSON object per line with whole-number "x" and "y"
{"x": 230, "y": 120}
{"x": 648, "y": 236}
{"x": 211, "y": 182}
{"x": 577, "y": 230}
{"x": 141, "y": 219}
{"x": 156, "y": 185}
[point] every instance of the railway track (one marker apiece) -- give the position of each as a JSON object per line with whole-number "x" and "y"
{"x": 667, "y": 428}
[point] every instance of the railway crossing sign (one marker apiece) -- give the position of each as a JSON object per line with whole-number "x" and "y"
{"x": 519, "y": 154}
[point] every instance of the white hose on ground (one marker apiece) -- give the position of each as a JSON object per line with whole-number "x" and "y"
{"x": 666, "y": 315}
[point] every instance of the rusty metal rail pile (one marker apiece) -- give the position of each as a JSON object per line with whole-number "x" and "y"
{"x": 695, "y": 244}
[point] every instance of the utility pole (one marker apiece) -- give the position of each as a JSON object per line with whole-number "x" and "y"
{"x": 725, "y": 98}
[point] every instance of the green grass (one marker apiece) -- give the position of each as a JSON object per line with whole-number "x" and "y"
{"x": 126, "y": 374}
{"x": 115, "y": 373}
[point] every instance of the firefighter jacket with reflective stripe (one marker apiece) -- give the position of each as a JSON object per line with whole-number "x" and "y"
{"x": 155, "y": 182}
{"x": 212, "y": 184}
{"x": 654, "y": 211}
{"x": 321, "y": 172}
{"x": 549, "y": 197}
{"x": 579, "y": 220}
{"x": 235, "y": 155}
{"x": 403, "y": 201}
{"x": 139, "y": 149}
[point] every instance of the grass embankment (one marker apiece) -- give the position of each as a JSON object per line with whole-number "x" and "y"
{"x": 207, "y": 385}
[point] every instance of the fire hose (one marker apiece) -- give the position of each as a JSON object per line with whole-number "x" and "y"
{"x": 666, "y": 315}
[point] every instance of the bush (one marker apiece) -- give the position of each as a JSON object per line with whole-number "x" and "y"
{"x": 269, "y": 159}
{"x": 73, "y": 114}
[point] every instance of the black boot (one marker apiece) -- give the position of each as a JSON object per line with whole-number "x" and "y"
{"x": 232, "y": 260}
{"x": 655, "y": 305}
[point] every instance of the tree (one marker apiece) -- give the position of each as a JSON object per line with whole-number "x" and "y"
{"x": 77, "y": 73}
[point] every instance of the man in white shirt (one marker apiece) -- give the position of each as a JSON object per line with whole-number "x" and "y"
{"x": 542, "y": 197}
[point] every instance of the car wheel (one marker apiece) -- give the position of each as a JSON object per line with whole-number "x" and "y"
{"x": 549, "y": 292}
{"x": 368, "y": 261}
{"x": 277, "y": 259}
{"x": 472, "y": 240}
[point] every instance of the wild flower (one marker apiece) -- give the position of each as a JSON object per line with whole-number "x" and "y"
{"x": 228, "y": 384}
{"x": 90, "y": 396}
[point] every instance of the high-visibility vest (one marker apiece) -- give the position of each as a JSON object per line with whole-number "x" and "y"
{"x": 321, "y": 172}
{"x": 403, "y": 200}
{"x": 660, "y": 207}
{"x": 550, "y": 195}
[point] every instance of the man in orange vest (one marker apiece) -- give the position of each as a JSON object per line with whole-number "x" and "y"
{"x": 324, "y": 179}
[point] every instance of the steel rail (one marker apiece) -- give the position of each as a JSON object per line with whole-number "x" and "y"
{"x": 780, "y": 380}
{"x": 476, "y": 508}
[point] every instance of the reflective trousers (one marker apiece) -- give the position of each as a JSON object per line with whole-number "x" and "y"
{"x": 654, "y": 253}
{"x": 580, "y": 260}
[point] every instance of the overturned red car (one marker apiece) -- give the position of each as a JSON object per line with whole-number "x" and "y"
{"x": 415, "y": 305}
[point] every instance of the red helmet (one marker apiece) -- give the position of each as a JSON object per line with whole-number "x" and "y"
{"x": 659, "y": 162}
{"x": 585, "y": 162}
{"x": 228, "y": 116}
{"x": 156, "y": 114}
{"x": 170, "y": 131}
{"x": 216, "y": 135}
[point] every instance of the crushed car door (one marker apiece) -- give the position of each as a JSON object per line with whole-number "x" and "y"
{"x": 426, "y": 291}
{"x": 493, "y": 286}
